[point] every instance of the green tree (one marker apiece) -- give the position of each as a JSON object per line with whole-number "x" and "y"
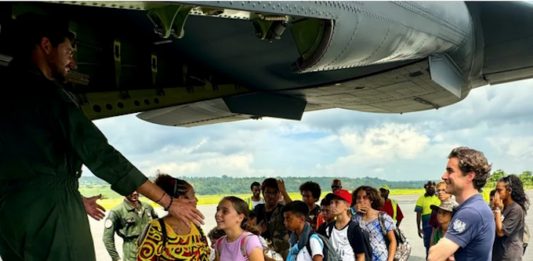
{"x": 527, "y": 178}
{"x": 497, "y": 175}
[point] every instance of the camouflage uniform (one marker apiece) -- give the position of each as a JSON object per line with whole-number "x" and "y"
{"x": 128, "y": 223}
{"x": 45, "y": 138}
{"x": 276, "y": 231}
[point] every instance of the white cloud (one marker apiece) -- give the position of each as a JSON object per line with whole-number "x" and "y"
{"x": 385, "y": 142}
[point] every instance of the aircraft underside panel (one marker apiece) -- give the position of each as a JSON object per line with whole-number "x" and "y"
{"x": 406, "y": 89}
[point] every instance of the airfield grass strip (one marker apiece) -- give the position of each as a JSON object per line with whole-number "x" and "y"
{"x": 214, "y": 199}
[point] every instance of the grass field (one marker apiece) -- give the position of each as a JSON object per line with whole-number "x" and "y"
{"x": 214, "y": 199}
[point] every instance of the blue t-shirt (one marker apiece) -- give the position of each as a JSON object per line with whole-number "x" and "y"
{"x": 472, "y": 228}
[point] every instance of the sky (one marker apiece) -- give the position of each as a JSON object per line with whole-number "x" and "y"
{"x": 497, "y": 120}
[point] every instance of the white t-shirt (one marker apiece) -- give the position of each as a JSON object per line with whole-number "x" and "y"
{"x": 339, "y": 240}
{"x": 255, "y": 203}
{"x": 316, "y": 245}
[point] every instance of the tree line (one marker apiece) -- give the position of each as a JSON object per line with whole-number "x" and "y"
{"x": 226, "y": 185}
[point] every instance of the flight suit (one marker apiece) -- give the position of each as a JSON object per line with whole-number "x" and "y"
{"x": 44, "y": 139}
{"x": 128, "y": 223}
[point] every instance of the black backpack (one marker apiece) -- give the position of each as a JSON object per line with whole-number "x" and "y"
{"x": 351, "y": 237}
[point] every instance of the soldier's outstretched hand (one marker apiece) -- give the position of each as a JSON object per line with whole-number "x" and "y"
{"x": 185, "y": 210}
{"x": 92, "y": 208}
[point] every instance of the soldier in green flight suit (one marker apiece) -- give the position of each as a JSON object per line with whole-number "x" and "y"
{"x": 45, "y": 138}
{"x": 128, "y": 219}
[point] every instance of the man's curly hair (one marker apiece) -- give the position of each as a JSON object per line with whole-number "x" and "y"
{"x": 471, "y": 160}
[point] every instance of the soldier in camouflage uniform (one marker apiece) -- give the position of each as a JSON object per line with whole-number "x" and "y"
{"x": 128, "y": 220}
{"x": 270, "y": 218}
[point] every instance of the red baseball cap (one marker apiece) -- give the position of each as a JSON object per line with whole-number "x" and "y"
{"x": 343, "y": 194}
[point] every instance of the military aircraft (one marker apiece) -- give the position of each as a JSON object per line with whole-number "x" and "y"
{"x": 189, "y": 63}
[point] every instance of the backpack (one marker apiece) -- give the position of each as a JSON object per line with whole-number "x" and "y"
{"x": 329, "y": 253}
{"x": 403, "y": 249}
{"x": 242, "y": 245}
{"x": 351, "y": 238}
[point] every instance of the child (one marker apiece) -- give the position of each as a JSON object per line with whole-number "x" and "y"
{"x": 296, "y": 213}
{"x": 169, "y": 238}
{"x": 444, "y": 215}
{"x": 327, "y": 216}
{"x": 241, "y": 242}
{"x": 214, "y": 235}
{"x": 345, "y": 235}
{"x": 310, "y": 192}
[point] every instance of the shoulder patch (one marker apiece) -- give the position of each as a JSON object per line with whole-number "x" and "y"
{"x": 108, "y": 223}
{"x": 459, "y": 226}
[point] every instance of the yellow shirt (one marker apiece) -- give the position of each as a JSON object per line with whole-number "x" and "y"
{"x": 191, "y": 247}
{"x": 423, "y": 205}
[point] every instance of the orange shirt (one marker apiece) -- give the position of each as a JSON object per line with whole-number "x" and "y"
{"x": 319, "y": 220}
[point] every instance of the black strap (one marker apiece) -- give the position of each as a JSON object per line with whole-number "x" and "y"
{"x": 366, "y": 238}
{"x": 164, "y": 231}
{"x": 308, "y": 245}
{"x": 330, "y": 229}
{"x": 351, "y": 235}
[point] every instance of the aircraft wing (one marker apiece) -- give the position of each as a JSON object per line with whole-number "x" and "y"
{"x": 192, "y": 63}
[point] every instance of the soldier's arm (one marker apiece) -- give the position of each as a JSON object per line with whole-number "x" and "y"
{"x": 100, "y": 157}
{"x": 107, "y": 163}
{"x": 111, "y": 224}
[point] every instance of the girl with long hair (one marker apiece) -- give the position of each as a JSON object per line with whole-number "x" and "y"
{"x": 368, "y": 203}
{"x": 241, "y": 242}
{"x": 169, "y": 238}
{"x": 510, "y": 205}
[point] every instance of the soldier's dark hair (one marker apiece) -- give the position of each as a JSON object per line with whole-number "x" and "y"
{"x": 514, "y": 184}
{"x": 372, "y": 194}
{"x": 255, "y": 184}
{"x": 313, "y": 187}
{"x": 298, "y": 208}
{"x": 30, "y": 28}
{"x": 172, "y": 186}
{"x": 242, "y": 208}
{"x": 270, "y": 183}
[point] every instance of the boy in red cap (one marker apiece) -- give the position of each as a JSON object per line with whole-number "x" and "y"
{"x": 348, "y": 239}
